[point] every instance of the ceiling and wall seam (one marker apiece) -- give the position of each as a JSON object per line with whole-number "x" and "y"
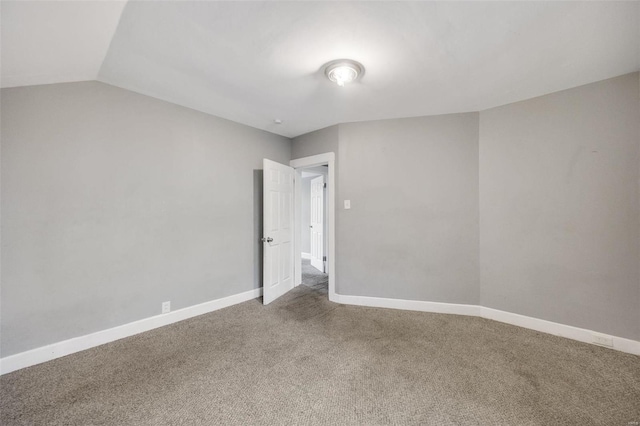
{"x": 254, "y": 63}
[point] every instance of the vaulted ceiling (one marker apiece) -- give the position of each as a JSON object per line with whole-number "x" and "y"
{"x": 254, "y": 62}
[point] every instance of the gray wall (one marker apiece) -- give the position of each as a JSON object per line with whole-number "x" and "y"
{"x": 113, "y": 202}
{"x": 412, "y": 231}
{"x": 559, "y": 207}
{"x": 318, "y": 142}
{"x": 554, "y": 183}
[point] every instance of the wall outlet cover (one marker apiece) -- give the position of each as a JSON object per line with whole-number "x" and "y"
{"x": 166, "y": 307}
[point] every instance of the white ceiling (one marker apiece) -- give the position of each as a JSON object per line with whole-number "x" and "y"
{"x": 314, "y": 171}
{"x": 253, "y": 62}
{"x": 55, "y": 41}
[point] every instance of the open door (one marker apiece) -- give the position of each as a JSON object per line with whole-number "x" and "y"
{"x": 278, "y": 224}
{"x": 317, "y": 223}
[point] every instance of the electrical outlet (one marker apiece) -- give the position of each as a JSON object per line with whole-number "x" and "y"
{"x": 599, "y": 339}
{"x": 166, "y": 307}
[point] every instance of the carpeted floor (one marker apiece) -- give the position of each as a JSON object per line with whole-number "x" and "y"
{"x": 304, "y": 360}
{"x": 313, "y": 278}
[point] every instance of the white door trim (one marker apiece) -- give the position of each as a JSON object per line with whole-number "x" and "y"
{"x": 328, "y": 158}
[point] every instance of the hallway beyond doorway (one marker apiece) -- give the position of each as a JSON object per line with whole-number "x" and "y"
{"x": 313, "y": 278}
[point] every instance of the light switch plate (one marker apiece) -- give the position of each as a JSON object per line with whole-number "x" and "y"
{"x": 347, "y": 204}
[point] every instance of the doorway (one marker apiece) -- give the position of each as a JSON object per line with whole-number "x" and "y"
{"x": 321, "y": 275}
{"x": 313, "y": 188}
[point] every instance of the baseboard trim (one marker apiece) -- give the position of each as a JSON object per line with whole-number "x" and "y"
{"x": 409, "y": 305}
{"x": 77, "y": 344}
{"x": 570, "y": 332}
{"x": 304, "y": 255}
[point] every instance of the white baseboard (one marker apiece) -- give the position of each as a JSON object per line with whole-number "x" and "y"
{"x": 305, "y": 255}
{"x": 409, "y": 305}
{"x": 580, "y": 334}
{"x": 77, "y": 344}
{"x": 570, "y": 332}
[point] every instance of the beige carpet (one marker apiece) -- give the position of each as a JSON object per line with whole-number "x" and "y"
{"x": 303, "y": 360}
{"x": 311, "y": 277}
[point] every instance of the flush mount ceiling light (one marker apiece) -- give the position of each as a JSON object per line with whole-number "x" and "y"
{"x": 343, "y": 71}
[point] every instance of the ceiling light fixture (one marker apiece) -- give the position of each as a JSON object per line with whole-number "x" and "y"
{"x": 343, "y": 71}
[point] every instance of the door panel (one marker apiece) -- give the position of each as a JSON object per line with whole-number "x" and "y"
{"x": 278, "y": 230}
{"x": 317, "y": 223}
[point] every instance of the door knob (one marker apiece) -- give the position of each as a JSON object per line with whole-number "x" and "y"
{"x": 267, "y": 240}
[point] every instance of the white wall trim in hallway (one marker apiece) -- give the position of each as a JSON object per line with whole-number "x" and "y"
{"x": 575, "y": 333}
{"x": 304, "y": 255}
{"x": 77, "y": 344}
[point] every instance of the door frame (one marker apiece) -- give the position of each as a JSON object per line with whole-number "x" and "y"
{"x": 298, "y": 164}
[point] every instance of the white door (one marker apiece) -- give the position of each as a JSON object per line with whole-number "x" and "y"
{"x": 278, "y": 223}
{"x": 317, "y": 223}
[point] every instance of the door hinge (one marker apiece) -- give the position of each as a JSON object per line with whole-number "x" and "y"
{"x": 324, "y": 185}
{"x": 324, "y": 258}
